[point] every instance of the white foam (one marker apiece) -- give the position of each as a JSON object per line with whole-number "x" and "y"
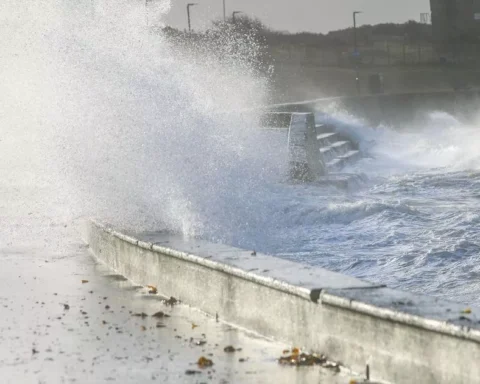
{"x": 119, "y": 123}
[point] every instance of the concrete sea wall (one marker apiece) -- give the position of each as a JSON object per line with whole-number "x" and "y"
{"x": 398, "y": 109}
{"x": 404, "y": 338}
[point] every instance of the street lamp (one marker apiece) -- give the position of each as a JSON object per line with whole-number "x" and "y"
{"x": 224, "y": 13}
{"x": 355, "y": 50}
{"x": 188, "y": 15}
{"x": 355, "y": 31}
{"x": 233, "y": 15}
{"x": 146, "y": 11}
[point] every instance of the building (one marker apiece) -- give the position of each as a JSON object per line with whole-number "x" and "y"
{"x": 455, "y": 21}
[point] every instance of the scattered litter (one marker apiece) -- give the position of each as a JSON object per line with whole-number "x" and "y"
{"x": 254, "y": 253}
{"x": 331, "y": 365}
{"x": 160, "y": 315}
{"x": 192, "y": 372}
{"x": 203, "y": 362}
{"x": 66, "y": 307}
{"x": 160, "y": 325}
{"x": 231, "y": 349}
{"x": 84, "y": 281}
{"x": 142, "y": 315}
{"x": 194, "y": 325}
{"x": 171, "y": 302}
{"x": 152, "y": 289}
{"x": 143, "y": 328}
{"x": 298, "y": 358}
{"x": 467, "y": 310}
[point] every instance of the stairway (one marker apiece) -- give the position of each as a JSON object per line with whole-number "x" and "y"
{"x": 335, "y": 151}
{"x": 315, "y": 150}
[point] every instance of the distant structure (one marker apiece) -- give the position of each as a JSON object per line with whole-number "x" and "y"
{"x": 425, "y": 18}
{"x": 455, "y": 21}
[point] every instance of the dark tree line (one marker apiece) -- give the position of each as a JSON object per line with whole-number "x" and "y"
{"x": 411, "y": 31}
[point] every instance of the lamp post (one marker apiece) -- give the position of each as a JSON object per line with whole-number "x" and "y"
{"x": 355, "y": 49}
{"x": 146, "y": 12}
{"x": 233, "y": 15}
{"x": 188, "y": 15}
{"x": 355, "y": 31}
{"x": 224, "y": 12}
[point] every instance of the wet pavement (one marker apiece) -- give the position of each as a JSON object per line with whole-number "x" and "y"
{"x": 68, "y": 319}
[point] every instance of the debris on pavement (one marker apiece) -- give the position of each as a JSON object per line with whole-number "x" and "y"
{"x": 298, "y": 358}
{"x": 142, "y": 315}
{"x": 171, "y": 302}
{"x": 152, "y": 289}
{"x": 203, "y": 362}
{"x": 160, "y": 315}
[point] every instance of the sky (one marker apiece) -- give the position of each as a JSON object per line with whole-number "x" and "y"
{"x": 300, "y": 15}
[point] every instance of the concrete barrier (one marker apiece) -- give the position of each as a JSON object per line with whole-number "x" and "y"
{"x": 404, "y": 338}
{"x": 397, "y": 109}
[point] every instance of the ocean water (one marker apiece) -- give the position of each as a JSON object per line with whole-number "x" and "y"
{"x": 411, "y": 223}
{"x": 100, "y": 117}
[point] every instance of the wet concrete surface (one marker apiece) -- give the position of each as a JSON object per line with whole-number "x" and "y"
{"x": 68, "y": 319}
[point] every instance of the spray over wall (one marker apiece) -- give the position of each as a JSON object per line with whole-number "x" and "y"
{"x": 102, "y": 117}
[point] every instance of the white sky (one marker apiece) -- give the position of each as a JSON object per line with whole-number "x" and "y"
{"x": 300, "y": 15}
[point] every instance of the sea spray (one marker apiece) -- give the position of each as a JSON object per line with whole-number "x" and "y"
{"x": 124, "y": 126}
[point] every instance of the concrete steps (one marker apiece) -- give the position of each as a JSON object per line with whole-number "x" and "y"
{"x": 314, "y": 149}
{"x": 335, "y": 151}
{"x": 341, "y": 161}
